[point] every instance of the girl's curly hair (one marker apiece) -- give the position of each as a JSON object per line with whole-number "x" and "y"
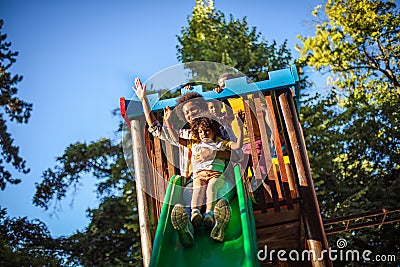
{"x": 193, "y": 97}
{"x": 205, "y": 122}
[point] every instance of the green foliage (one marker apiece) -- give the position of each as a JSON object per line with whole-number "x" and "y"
{"x": 357, "y": 40}
{"x": 27, "y": 243}
{"x": 107, "y": 241}
{"x": 111, "y": 239}
{"x": 103, "y": 159}
{"x": 353, "y": 131}
{"x": 210, "y": 37}
{"x": 15, "y": 109}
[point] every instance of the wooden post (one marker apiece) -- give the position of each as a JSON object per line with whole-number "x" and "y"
{"x": 140, "y": 166}
{"x": 279, "y": 154}
{"x": 272, "y": 175}
{"x": 315, "y": 233}
{"x": 248, "y": 107}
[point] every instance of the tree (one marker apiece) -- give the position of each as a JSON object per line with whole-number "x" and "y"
{"x": 27, "y": 243}
{"x": 112, "y": 238}
{"x": 107, "y": 241}
{"x": 355, "y": 127}
{"x": 12, "y": 107}
{"x": 210, "y": 37}
{"x": 104, "y": 159}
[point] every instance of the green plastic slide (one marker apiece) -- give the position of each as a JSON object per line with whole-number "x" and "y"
{"x": 239, "y": 247}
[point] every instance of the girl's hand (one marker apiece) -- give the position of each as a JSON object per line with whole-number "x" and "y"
{"x": 239, "y": 121}
{"x": 140, "y": 90}
{"x": 167, "y": 114}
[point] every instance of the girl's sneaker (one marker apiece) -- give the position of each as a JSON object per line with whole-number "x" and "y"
{"x": 208, "y": 220}
{"x": 196, "y": 218}
{"x": 222, "y": 215}
{"x": 180, "y": 222}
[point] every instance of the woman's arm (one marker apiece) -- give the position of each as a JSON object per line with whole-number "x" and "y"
{"x": 173, "y": 134}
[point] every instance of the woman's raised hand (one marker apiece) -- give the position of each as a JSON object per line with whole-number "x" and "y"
{"x": 140, "y": 90}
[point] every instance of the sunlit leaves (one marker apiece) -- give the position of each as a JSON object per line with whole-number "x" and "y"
{"x": 356, "y": 36}
{"x": 210, "y": 36}
{"x": 353, "y": 131}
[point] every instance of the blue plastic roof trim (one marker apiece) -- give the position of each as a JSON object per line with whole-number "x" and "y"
{"x": 234, "y": 88}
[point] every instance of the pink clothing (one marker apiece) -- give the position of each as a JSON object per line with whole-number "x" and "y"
{"x": 248, "y": 162}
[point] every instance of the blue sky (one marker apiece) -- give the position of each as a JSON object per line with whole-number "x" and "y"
{"x": 79, "y": 57}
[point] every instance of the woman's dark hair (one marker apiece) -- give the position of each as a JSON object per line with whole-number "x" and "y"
{"x": 205, "y": 122}
{"x": 193, "y": 97}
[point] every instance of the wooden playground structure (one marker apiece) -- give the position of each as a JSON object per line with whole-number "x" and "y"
{"x": 286, "y": 213}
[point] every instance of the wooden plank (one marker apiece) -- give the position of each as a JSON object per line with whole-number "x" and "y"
{"x": 165, "y": 176}
{"x": 150, "y": 182}
{"x": 263, "y": 220}
{"x": 285, "y": 236}
{"x": 277, "y": 182}
{"x": 292, "y": 185}
{"x": 290, "y": 166}
{"x": 149, "y": 163}
{"x": 273, "y": 178}
{"x": 263, "y": 131}
{"x": 248, "y": 107}
{"x": 293, "y": 140}
{"x": 281, "y": 163}
{"x": 362, "y": 220}
{"x": 274, "y": 188}
{"x": 158, "y": 156}
{"x": 170, "y": 160}
{"x": 153, "y": 186}
{"x": 279, "y": 154}
{"x": 159, "y": 172}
